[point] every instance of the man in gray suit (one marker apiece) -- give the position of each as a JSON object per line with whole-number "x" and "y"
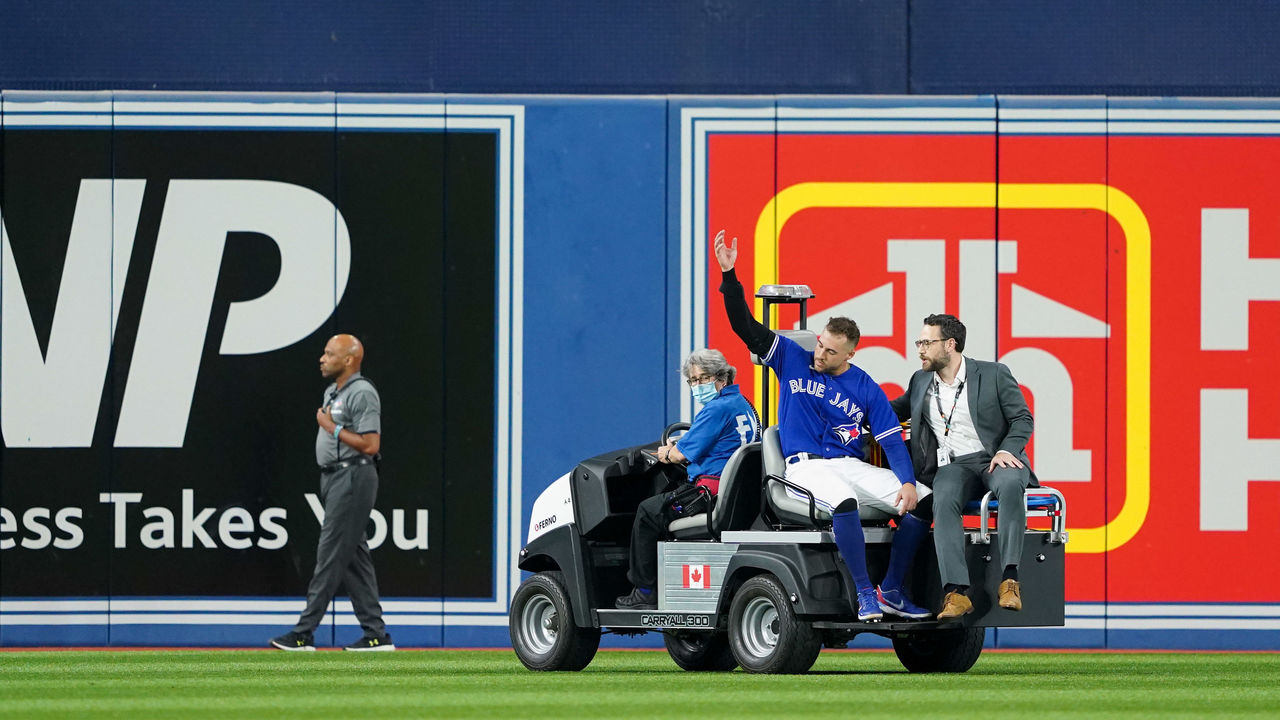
{"x": 969, "y": 429}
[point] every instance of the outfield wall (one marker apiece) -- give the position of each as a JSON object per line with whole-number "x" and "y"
{"x": 527, "y": 272}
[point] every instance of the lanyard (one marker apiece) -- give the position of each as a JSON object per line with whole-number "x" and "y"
{"x": 937, "y": 398}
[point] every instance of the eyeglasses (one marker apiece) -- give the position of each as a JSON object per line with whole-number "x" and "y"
{"x": 922, "y": 344}
{"x": 699, "y": 380}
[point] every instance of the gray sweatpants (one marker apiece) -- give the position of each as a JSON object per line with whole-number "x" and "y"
{"x": 342, "y": 555}
{"x": 964, "y": 479}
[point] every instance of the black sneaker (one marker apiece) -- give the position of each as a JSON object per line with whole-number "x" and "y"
{"x": 295, "y": 642}
{"x": 638, "y": 600}
{"x": 372, "y": 643}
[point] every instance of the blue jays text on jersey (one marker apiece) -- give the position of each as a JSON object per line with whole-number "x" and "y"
{"x": 824, "y": 414}
{"x": 818, "y": 389}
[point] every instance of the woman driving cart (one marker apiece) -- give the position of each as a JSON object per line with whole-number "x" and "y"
{"x": 725, "y": 423}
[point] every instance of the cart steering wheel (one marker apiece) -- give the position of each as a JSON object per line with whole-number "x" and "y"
{"x": 675, "y": 429}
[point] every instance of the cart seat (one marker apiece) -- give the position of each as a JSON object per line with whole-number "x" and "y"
{"x": 736, "y": 506}
{"x": 790, "y": 504}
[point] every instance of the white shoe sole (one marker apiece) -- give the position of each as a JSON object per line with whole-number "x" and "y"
{"x": 376, "y": 648}
{"x": 286, "y": 648}
{"x": 890, "y": 610}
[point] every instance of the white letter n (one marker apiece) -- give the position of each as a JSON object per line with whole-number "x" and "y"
{"x": 315, "y": 257}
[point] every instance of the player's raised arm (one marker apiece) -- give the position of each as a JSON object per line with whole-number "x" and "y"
{"x": 757, "y": 337}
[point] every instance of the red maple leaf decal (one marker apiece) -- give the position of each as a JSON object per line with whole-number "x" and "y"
{"x": 696, "y": 575}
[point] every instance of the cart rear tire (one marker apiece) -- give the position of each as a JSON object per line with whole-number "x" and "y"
{"x": 764, "y": 633}
{"x": 940, "y": 651}
{"x": 543, "y": 632}
{"x": 700, "y": 651}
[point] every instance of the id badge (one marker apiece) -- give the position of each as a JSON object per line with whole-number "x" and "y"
{"x": 944, "y": 457}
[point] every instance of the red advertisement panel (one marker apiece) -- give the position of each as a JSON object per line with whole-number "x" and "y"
{"x": 1121, "y": 280}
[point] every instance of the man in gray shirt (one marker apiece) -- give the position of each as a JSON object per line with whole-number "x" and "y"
{"x": 347, "y": 444}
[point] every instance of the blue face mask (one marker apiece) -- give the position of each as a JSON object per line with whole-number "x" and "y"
{"x": 705, "y": 392}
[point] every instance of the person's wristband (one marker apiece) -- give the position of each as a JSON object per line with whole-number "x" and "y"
{"x": 337, "y": 429}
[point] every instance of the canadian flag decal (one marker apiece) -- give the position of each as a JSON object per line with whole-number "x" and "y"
{"x": 697, "y": 576}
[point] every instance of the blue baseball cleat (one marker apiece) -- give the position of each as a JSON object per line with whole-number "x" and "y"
{"x": 896, "y": 602}
{"x": 868, "y": 606}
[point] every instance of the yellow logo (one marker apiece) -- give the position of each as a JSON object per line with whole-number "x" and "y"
{"x": 1020, "y": 196}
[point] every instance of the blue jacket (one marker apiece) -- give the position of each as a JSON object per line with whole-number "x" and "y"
{"x": 722, "y": 426}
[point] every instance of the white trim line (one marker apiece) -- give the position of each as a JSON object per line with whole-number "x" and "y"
{"x": 1046, "y": 113}
{"x": 1192, "y": 624}
{"x": 64, "y": 606}
{"x": 768, "y": 357}
{"x": 921, "y": 112}
{"x": 1189, "y": 611}
{"x": 516, "y": 479}
{"x": 202, "y": 619}
{"x": 291, "y": 122}
{"x": 886, "y": 126}
{"x": 322, "y": 106}
{"x": 887, "y": 433}
{"x": 1015, "y": 127}
{"x": 54, "y": 607}
{"x": 1193, "y": 114}
{"x": 416, "y": 109}
{"x": 1126, "y": 127}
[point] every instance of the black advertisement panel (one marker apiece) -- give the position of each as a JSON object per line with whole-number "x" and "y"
{"x": 247, "y": 248}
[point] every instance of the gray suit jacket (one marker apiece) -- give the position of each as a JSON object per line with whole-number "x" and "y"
{"x": 996, "y": 404}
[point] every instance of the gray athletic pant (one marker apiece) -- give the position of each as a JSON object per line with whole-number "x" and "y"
{"x": 342, "y": 555}
{"x": 962, "y": 480}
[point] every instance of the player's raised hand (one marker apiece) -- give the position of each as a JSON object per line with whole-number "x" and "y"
{"x": 726, "y": 255}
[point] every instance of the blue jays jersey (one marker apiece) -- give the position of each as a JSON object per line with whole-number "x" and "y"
{"x": 722, "y": 426}
{"x": 823, "y": 414}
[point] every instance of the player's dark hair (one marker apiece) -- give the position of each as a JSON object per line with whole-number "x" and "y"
{"x": 846, "y": 327}
{"x": 950, "y": 327}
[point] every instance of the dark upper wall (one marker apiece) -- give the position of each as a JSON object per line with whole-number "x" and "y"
{"x": 1173, "y": 47}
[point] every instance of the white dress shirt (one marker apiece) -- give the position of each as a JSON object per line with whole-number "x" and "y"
{"x": 963, "y": 437}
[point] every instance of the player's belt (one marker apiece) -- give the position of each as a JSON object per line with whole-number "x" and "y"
{"x": 791, "y": 459}
{"x": 335, "y": 467}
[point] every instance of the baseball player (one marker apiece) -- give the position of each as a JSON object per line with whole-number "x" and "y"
{"x": 824, "y": 402}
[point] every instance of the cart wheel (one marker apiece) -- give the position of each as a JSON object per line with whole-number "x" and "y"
{"x": 764, "y": 633}
{"x": 543, "y": 633}
{"x": 700, "y": 650}
{"x": 937, "y": 651}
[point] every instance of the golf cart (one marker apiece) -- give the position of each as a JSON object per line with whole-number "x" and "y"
{"x": 757, "y": 582}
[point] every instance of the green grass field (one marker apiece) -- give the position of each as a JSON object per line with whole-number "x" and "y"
{"x": 632, "y": 684}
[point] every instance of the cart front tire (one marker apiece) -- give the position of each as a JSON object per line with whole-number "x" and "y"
{"x": 543, "y": 632}
{"x": 764, "y": 633}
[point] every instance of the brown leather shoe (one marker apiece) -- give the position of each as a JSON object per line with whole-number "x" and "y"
{"x": 954, "y": 605}
{"x": 1011, "y": 595}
